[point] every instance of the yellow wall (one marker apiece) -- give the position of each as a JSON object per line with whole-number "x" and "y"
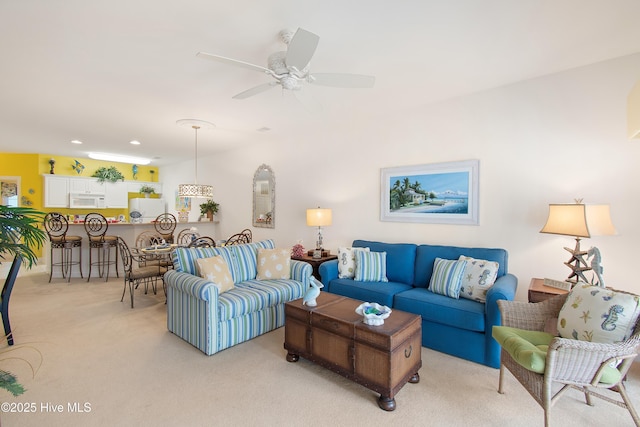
{"x": 31, "y": 167}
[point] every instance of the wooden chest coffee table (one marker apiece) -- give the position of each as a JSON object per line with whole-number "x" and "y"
{"x": 382, "y": 358}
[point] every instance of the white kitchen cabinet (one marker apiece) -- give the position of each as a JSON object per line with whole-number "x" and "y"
{"x": 56, "y": 191}
{"x": 86, "y": 186}
{"x": 116, "y": 195}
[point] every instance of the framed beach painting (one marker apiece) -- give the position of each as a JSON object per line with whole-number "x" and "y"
{"x": 439, "y": 193}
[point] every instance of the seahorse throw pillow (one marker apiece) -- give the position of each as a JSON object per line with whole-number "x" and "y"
{"x": 596, "y": 314}
{"x": 347, "y": 262}
{"x": 479, "y": 276}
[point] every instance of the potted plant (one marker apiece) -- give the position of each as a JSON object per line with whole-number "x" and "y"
{"x": 108, "y": 174}
{"x": 147, "y": 190}
{"x": 209, "y": 208}
{"x": 19, "y": 235}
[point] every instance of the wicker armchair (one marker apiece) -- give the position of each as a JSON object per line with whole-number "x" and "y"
{"x": 569, "y": 363}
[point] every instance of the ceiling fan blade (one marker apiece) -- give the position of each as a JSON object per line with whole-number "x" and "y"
{"x": 255, "y": 90}
{"x": 343, "y": 80}
{"x": 233, "y": 62}
{"x": 301, "y": 48}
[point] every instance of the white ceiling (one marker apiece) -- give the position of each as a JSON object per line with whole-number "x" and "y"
{"x": 107, "y": 72}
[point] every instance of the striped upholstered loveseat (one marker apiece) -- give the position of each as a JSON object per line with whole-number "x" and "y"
{"x": 212, "y": 321}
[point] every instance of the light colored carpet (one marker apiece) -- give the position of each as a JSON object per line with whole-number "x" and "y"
{"x": 131, "y": 371}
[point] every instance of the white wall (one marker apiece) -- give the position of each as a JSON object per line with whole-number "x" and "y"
{"x": 547, "y": 140}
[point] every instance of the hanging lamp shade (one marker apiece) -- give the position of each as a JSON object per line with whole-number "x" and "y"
{"x": 195, "y": 189}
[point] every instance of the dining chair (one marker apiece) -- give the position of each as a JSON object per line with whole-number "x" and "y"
{"x": 147, "y": 239}
{"x": 96, "y": 226}
{"x": 186, "y": 236}
{"x": 56, "y": 226}
{"x": 134, "y": 274}
{"x": 548, "y": 365}
{"x": 6, "y": 294}
{"x": 245, "y": 236}
{"x": 203, "y": 242}
{"x": 165, "y": 224}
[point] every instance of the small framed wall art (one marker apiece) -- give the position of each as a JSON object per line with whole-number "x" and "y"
{"x": 438, "y": 193}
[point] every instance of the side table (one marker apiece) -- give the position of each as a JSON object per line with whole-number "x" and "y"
{"x": 539, "y": 292}
{"x": 315, "y": 262}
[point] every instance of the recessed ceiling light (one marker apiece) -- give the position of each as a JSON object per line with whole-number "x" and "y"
{"x": 75, "y": 141}
{"x": 119, "y": 158}
{"x": 134, "y": 142}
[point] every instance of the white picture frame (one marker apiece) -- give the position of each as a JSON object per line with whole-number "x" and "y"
{"x": 438, "y": 193}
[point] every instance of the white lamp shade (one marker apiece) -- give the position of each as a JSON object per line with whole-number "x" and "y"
{"x": 579, "y": 220}
{"x": 319, "y": 217}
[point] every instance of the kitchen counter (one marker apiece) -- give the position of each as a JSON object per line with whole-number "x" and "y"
{"x": 128, "y": 232}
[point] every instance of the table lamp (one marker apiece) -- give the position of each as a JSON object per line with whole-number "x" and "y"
{"x": 578, "y": 220}
{"x": 319, "y": 218}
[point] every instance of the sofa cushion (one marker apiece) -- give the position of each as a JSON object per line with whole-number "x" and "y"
{"x": 371, "y": 267}
{"x": 447, "y": 277}
{"x": 216, "y": 270}
{"x": 426, "y": 255}
{"x": 380, "y": 292}
{"x": 347, "y": 262}
{"x": 255, "y": 295}
{"x": 479, "y": 275}
{"x": 274, "y": 264}
{"x": 460, "y": 313}
{"x": 401, "y": 258}
{"x": 592, "y": 313}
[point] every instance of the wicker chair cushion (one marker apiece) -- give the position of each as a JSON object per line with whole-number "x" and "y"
{"x": 596, "y": 314}
{"x": 529, "y": 349}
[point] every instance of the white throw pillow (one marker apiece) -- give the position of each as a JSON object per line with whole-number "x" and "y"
{"x": 596, "y": 314}
{"x": 347, "y": 262}
{"x": 479, "y": 276}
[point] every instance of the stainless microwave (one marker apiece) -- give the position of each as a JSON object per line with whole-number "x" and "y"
{"x": 84, "y": 201}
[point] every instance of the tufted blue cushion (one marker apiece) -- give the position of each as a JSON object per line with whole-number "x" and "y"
{"x": 458, "y": 313}
{"x": 380, "y": 292}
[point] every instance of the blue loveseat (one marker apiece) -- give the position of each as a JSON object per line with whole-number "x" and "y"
{"x": 460, "y": 327}
{"x": 212, "y": 321}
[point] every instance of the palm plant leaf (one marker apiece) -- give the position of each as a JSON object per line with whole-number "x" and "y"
{"x": 20, "y": 234}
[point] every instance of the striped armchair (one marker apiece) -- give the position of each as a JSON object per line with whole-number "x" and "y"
{"x": 212, "y": 321}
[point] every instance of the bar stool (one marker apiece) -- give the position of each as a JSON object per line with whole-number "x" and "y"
{"x": 57, "y": 226}
{"x": 96, "y": 226}
{"x": 165, "y": 224}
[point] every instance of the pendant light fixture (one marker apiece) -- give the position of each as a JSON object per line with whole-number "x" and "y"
{"x": 195, "y": 189}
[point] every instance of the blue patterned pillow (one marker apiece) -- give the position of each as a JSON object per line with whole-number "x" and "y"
{"x": 447, "y": 277}
{"x": 371, "y": 266}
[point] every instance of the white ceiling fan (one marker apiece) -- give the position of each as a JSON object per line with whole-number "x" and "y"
{"x": 290, "y": 68}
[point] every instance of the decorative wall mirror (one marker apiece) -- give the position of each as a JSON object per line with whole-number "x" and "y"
{"x": 264, "y": 198}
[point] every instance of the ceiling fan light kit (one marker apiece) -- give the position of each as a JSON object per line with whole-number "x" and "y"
{"x": 290, "y": 68}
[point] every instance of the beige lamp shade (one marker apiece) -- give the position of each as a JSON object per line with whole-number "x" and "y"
{"x": 319, "y": 217}
{"x": 579, "y": 220}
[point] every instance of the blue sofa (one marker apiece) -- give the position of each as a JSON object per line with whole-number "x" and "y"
{"x": 212, "y": 321}
{"x": 460, "y": 327}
